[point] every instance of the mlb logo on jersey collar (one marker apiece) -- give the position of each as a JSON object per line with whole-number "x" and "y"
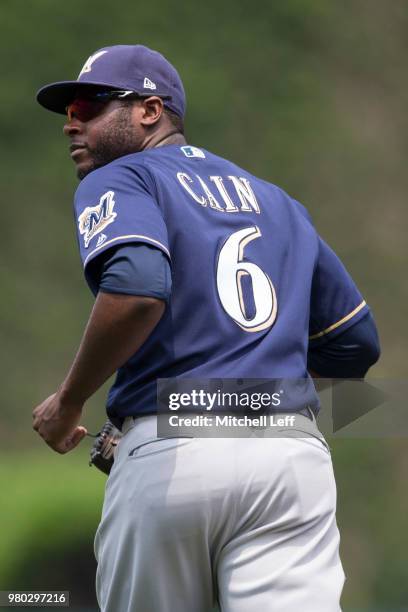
{"x": 193, "y": 152}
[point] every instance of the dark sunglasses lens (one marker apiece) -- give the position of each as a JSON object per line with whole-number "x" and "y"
{"x": 104, "y": 96}
{"x": 84, "y": 109}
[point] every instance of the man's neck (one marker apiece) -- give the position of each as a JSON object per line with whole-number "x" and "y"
{"x": 168, "y": 138}
{"x": 172, "y": 138}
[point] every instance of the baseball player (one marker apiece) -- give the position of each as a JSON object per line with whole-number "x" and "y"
{"x": 199, "y": 270}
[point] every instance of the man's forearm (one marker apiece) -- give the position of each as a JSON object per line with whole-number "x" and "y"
{"x": 117, "y": 328}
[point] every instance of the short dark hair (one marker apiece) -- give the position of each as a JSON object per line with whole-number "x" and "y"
{"x": 175, "y": 120}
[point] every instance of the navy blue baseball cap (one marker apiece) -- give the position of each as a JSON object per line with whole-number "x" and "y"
{"x": 129, "y": 67}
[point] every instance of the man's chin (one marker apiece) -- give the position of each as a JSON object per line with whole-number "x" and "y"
{"x": 96, "y": 161}
{"x": 81, "y": 173}
{"x": 83, "y": 170}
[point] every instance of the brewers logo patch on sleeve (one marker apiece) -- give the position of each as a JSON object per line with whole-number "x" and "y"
{"x": 127, "y": 211}
{"x": 94, "y": 219}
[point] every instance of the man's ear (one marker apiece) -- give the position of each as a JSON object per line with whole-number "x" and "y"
{"x": 151, "y": 110}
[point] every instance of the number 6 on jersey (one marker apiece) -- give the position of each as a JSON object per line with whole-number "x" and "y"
{"x": 231, "y": 269}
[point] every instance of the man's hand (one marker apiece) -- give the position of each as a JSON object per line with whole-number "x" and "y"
{"x": 57, "y": 424}
{"x": 117, "y": 328}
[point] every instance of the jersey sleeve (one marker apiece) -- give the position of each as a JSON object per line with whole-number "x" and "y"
{"x": 115, "y": 205}
{"x": 302, "y": 210}
{"x": 348, "y": 355}
{"x": 336, "y": 303}
{"x": 131, "y": 269}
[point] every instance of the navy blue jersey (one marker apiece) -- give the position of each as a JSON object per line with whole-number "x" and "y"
{"x": 252, "y": 282}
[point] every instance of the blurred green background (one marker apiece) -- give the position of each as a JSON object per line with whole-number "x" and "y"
{"x": 311, "y": 95}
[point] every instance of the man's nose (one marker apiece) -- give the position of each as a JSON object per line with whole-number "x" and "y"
{"x": 72, "y": 127}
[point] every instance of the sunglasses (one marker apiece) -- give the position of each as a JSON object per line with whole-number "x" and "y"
{"x": 91, "y": 105}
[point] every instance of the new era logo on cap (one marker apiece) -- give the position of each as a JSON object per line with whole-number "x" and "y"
{"x": 148, "y": 84}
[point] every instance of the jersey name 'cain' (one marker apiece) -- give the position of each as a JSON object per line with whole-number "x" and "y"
{"x": 200, "y": 191}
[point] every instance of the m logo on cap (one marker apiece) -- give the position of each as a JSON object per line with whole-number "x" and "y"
{"x": 88, "y": 64}
{"x": 148, "y": 84}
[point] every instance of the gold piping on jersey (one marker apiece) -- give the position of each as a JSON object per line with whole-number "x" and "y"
{"x": 151, "y": 240}
{"x": 343, "y": 320}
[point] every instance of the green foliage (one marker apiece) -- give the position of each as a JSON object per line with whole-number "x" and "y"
{"x": 372, "y": 510}
{"x": 49, "y": 512}
{"x": 49, "y": 503}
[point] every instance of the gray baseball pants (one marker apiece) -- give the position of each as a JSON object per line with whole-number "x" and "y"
{"x": 245, "y": 522}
